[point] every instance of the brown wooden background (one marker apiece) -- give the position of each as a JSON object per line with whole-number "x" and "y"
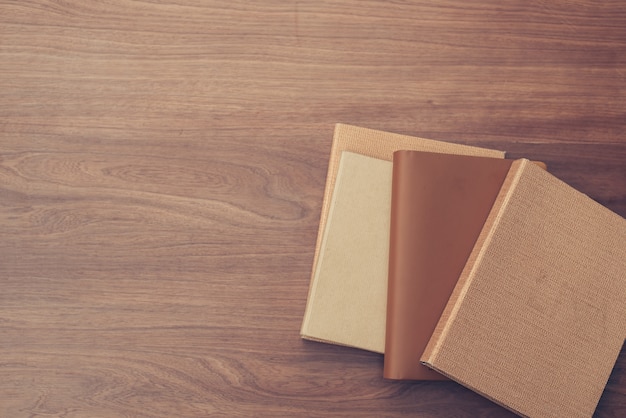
{"x": 162, "y": 164}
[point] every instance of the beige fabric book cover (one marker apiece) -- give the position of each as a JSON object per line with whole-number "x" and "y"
{"x": 345, "y": 304}
{"x": 352, "y": 319}
{"x": 538, "y": 316}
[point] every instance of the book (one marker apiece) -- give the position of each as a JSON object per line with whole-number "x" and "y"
{"x": 355, "y": 320}
{"x": 382, "y": 145}
{"x": 537, "y": 318}
{"x": 345, "y": 304}
{"x": 439, "y": 203}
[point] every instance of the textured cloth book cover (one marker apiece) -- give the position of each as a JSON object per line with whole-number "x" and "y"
{"x": 353, "y": 314}
{"x": 347, "y": 303}
{"x": 538, "y": 316}
{"x": 439, "y": 205}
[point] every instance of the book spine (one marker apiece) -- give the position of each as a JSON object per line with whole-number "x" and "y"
{"x": 429, "y": 357}
{"x": 328, "y": 192}
{"x": 396, "y": 206}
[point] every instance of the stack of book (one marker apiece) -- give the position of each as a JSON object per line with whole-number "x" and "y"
{"x": 458, "y": 263}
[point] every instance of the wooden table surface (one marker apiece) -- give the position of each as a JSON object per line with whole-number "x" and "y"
{"x": 162, "y": 165}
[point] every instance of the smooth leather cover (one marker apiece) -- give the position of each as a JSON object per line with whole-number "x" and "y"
{"x": 439, "y": 205}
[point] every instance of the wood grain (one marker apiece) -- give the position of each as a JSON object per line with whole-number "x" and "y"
{"x": 162, "y": 165}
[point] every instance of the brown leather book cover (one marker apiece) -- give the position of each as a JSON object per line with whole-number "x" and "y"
{"x": 537, "y": 318}
{"x": 439, "y": 204}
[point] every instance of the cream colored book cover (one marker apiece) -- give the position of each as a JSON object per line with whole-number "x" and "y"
{"x": 347, "y": 302}
{"x": 538, "y": 316}
{"x": 353, "y": 319}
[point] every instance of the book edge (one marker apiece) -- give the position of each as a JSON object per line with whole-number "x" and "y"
{"x": 484, "y": 151}
{"x": 321, "y": 233}
{"x": 483, "y": 394}
{"x": 397, "y": 161}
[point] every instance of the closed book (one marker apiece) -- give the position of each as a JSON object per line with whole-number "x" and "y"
{"x": 537, "y": 318}
{"x": 355, "y": 318}
{"x": 439, "y": 205}
{"x": 379, "y": 144}
{"x": 346, "y": 302}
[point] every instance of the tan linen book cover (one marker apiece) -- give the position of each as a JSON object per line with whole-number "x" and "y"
{"x": 538, "y": 316}
{"x": 323, "y": 321}
{"x": 439, "y": 205}
{"x": 345, "y": 304}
